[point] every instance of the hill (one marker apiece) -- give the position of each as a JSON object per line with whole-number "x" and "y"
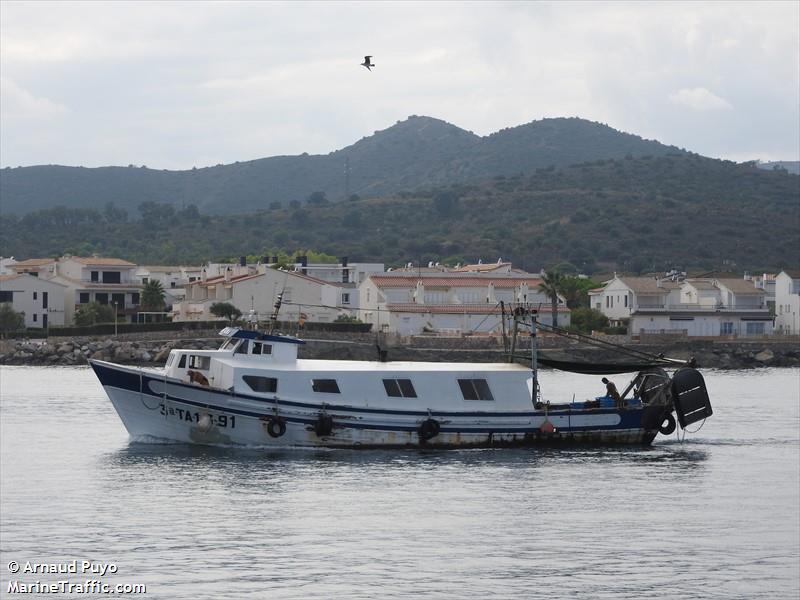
{"x": 634, "y": 214}
{"x": 418, "y": 153}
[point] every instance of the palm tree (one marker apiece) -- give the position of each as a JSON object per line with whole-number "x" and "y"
{"x": 152, "y": 296}
{"x": 551, "y": 285}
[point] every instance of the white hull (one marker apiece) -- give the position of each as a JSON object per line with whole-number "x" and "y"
{"x": 157, "y": 406}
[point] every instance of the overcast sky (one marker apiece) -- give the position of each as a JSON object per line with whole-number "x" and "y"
{"x": 176, "y": 85}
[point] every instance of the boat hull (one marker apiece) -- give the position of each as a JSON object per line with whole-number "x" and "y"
{"x": 156, "y": 406}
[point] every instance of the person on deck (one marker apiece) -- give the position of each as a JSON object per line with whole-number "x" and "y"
{"x": 611, "y": 390}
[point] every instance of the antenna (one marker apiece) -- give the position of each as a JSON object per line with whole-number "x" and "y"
{"x": 273, "y": 318}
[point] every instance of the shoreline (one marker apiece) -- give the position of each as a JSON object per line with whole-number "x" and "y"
{"x": 153, "y": 350}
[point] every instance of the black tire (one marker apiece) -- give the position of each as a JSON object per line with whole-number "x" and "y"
{"x": 429, "y": 429}
{"x": 276, "y": 427}
{"x": 667, "y": 424}
{"x": 323, "y": 426}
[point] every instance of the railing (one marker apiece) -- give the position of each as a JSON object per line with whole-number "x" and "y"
{"x": 697, "y": 307}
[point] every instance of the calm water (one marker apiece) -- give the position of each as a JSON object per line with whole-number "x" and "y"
{"x": 716, "y": 516}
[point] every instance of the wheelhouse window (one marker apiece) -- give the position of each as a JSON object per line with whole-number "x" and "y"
{"x": 325, "y": 386}
{"x": 261, "y": 384}
{"x": 399, "y": 388}
{"x": 475, "y": 389}
{"x": 229, "y": 344}
{"x": 182, "y": 362}
{"x": 260, "y": 348}
{"x": 199, "y": 362}
{"x": 243, "y": 347}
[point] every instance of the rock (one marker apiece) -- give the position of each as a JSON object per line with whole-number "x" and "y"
{"x": 765, "y": 355}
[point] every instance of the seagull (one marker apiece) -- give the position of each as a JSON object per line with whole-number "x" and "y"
{"x": 368, "y": 63}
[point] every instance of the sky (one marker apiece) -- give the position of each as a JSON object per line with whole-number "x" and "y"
{"x": 176, "y": 85}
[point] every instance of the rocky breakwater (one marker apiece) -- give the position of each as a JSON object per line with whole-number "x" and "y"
{"x": 79, "y": 351}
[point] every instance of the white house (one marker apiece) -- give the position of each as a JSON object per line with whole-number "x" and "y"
{"x": 409, "y": 303}
{"x": 89, "y": 279}
{"x": 693, "y": 307}
{"x": 621, "y": 297}
{"x": 345, "y": 275}
{"x": 41, "y": 300}
{"x": 766, "y": 282}
{"x": 172, "y": 279}
{"x": 254, "y": 290}
{"x": 787, "y": 302}
{"x": 6, "y": 264}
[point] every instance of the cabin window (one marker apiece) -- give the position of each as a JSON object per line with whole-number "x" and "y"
{"x": 199, "y": 362}
{"x": 259, "y": 348}
{"x": 182, "y": 362}
{"x": 261, "y": 384}
{"x": 399, "y": 388}
{"x": 475, "y": 389}
{"x": 326, "y": 386}
{"x": 243, "y": 347}
{"x": 229, "y": 344}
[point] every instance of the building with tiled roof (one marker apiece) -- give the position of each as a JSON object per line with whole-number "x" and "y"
{"x": 705, "y": 307}
{"x": 456, "y": 302}
{"x": 89, "y": 279}
{"x": 254, "y": 289}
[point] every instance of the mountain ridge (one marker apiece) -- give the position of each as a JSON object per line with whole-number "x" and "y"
{"x": 416, "y": 153}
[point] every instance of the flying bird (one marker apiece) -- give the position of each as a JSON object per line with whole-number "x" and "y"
{"x": 368, "y": 63}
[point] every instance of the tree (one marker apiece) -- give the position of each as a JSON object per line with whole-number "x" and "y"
{"x": 155, "y": 214}
{"x": 152, "y": 296}
{"x": 11, "y": 321}
{"x": 586, "y": 320}
{"x": 317, "y": 198}
{"x": 551, "y": 286}
{"x": 92, "y": 313}
{"x": 225, "y": 310}
{"x": 575, "y": 291}
{"x": 347, "y": 319}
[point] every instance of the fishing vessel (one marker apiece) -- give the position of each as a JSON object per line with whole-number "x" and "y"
{"x": 254, "y": 390}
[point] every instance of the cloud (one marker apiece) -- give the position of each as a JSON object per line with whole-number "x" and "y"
{"x": 17, "y": 102}
{"x": 699, "y": 99}
{"x": 223, "y": 82}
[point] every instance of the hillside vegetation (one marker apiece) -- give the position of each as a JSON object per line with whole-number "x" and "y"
{"x": 418, "y": 153}
{"x": 634, "y": 214}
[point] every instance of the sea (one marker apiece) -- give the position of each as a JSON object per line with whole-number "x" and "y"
{"x": 710, "y": 513}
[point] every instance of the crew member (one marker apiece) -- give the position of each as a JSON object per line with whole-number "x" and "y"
{"x": 611, "y": 390}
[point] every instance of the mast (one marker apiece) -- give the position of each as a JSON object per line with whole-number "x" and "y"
{"x": 534, "y": 359}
